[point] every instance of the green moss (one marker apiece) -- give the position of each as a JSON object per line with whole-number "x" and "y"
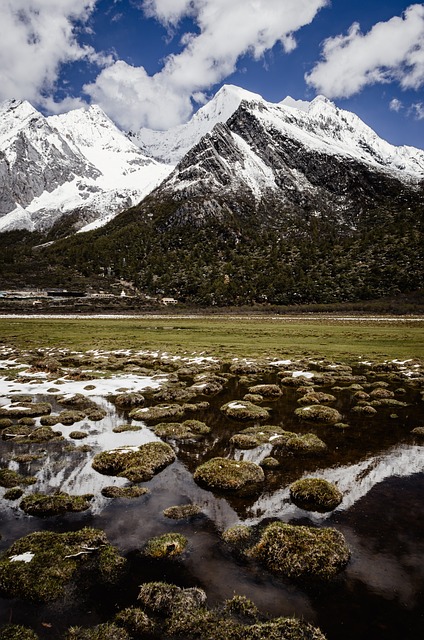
{"x": 187, "y": 430}
{"x": 29, "y": 422}
{"x": 28, "y": 457}
{"x": 366, "y": 410}
{"x": 316, "y": 397}
{"x": 5, "y": 423}
{"x": 137, "y": 464}
{"x": 125, "y": 427}
{"x": 315, "y": 494}
{"x": 49, "y": 421}
{"x": 55, "y": 560}
{"x": 179, "y": 512}
{"x": 229, "y": 475}
{"x": 162, "y": 599}
{"x": 168, "y": 545}
{"x": 242, "y": 608}
{"x": 124, "y": 492}
{"x": 239, "y": 536}
{"x": 299, "y": 552}
{"x": 39, "y": 504}
{"x": 9, "y": 479}
{"x": 95, "y": 414}
{"x": 17, "y": 632}
{"x": 16, "y": 431}
{"x": 319, "y": 414}
{"x": 13, "y": 494}
{"x": 418, "y": 431}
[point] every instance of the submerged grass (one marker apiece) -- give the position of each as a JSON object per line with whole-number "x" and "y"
{"x": 233, "y": 335}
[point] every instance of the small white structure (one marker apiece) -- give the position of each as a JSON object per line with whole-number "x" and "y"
{"x": 167, "y": 301}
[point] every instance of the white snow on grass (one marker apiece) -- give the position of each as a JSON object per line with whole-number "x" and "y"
{"x": 303, "y": 374}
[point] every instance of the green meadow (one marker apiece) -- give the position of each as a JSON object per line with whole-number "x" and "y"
{"x": 224, "y": 336}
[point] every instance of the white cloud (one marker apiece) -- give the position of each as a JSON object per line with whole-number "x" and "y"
{"x": 417, "y": 110}
{"x": 395, "y": 105}
{"x": 390, "y": 51}
{"x": 37, "y": 36}
{"x": 227, "y": 30}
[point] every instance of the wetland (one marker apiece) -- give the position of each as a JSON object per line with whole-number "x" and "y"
{"x": 269, "y": 491}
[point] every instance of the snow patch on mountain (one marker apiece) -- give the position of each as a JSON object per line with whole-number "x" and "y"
{"x": 170, "y": 146}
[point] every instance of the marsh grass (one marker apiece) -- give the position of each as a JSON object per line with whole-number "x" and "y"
{"x": 224, "y": 336}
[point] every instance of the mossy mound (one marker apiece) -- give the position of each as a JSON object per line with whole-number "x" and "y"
{"x": 158, "y": 412}
{"x": 255, "y": 398}
{"x": 316, "y": 397}
{"x": 187, "y": 430}
{"x": 17, "y": 632}
{"x": 10, "y": 479}
{"x": 240, "y": 536}
{"x": 137, "y": 464}
{"x": 124, "y": 492}
{"x": 303, "y": 445}
{"x": 418, "y": 431}
{"x": 168, "y": 545}
{"x": 300, "y": 381}
{"x": 41, "y": 565}
{"x": 315, "y": 494}
{"x": 129, "y": 400}
{"x": 96, "y": 414}
{"x": 49, "y": 421}
{"x": 78, "y": 401}
{"x": 105, "y": 631}
{"x": 176, "y": 392}
{"x": 180, "y": 512}
{"x": 229, "y": 475}
{"x": 299, "y": 552}
{"x": 126, "y": 427}
{"x": 388, "y": 402}
{"x": 5, "y": 423}
{"x": 381, "y": 392}
{"x": 244, "y": 410}
{"x": 42, "y": 505}
{"x": 269, "y": 391}
{"x": 136, "y": 622}
{"x": 69, "y": 417}
{"x": 42, "y": 434}
{"x": 13, "y": 494}
{"x": 255, "y": 436}
{"x": 78, "y": 435}
{"x": 365, "y": 410}
{"x": 182, "y": 613}
{"x": 269, "y": 463}
{"x": 207, "y": 385}
{"x": 319, "y": 414}
{"x": 16, "y": 431}
{"x": 25, "y": 409}
{"x": 28, "y": 422}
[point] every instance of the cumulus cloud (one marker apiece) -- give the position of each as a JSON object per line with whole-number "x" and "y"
{"x": 417, "y": 110}
{"x": 226, "y": 31}
{"x": 390, "y": 51}
{"x": 38, "y": 36}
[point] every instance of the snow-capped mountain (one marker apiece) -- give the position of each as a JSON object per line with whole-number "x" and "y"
{"x": 288, "y": 159}
{"x": 77, "y": 162}
{"x": 171, "y": 145}
{"x": 237, "y": 153}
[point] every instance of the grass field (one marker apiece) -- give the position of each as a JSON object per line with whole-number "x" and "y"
{"x": 224, "y": 336}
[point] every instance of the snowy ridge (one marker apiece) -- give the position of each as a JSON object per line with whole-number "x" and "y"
{"x": 80, "y": 161}
{"x": 170, "y": 146}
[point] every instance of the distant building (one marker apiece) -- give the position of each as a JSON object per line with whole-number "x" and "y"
{"x": 167, "y": 301}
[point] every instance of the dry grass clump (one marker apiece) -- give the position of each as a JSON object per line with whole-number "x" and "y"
{"x": 364, "y": 410}
{"x": 137, "y": 464}
{"x": 319, "y": 414}
{"x": 78, "y": 435}
{"x": 315, "y": 494}
{"x": 105, "y": 631}
{"x": 229, "y": 475}
{"x": 17, "y": 632}
{"x": 42, "y": 505}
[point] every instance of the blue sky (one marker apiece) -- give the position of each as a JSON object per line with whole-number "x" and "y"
{"x": 153, "y": 62}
